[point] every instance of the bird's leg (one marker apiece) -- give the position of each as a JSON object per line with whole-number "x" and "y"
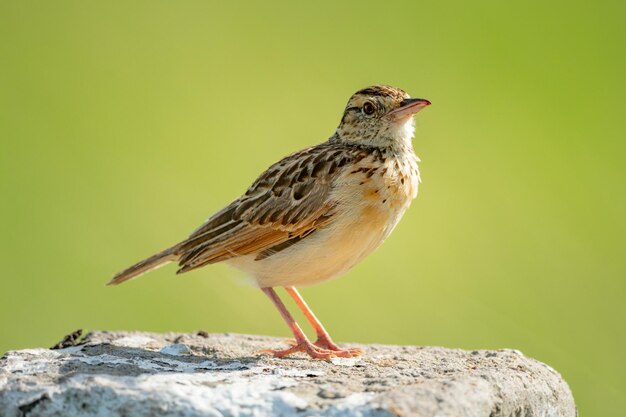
{"x": 302, "y": 344}
{"x": 323, "y": 338}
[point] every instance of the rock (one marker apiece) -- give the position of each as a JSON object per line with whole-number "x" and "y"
{"x": 176, "y": 375}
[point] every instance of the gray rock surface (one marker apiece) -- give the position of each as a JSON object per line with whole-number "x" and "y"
{"x": 176, "y": 375}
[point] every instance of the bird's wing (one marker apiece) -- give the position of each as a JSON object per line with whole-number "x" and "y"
{"x": 286, "y": 203}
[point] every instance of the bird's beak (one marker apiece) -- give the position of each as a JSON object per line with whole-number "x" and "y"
{"x": 409, "y": 107}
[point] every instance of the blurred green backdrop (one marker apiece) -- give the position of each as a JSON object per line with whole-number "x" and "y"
{"x": 123, "y": 125}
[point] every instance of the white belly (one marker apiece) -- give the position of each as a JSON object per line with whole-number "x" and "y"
{"x": 328, "y": 252}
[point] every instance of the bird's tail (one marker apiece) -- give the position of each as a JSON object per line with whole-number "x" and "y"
{"x": 140, "y": 268}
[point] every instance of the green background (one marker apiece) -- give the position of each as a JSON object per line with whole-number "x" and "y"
{"x": 123, "y": 125}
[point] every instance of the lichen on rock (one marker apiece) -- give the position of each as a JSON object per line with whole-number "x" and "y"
{"x": 185, "y": 375}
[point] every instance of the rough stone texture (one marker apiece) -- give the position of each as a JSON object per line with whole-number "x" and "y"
{"x": 145, "y": 374}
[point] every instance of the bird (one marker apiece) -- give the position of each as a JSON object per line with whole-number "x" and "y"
{"x": 314, "y": 214}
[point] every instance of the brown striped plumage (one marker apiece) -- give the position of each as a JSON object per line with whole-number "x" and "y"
{"x": 317, "y": 212}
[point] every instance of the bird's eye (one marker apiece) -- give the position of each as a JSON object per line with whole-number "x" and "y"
{"x": 368, "y": 108}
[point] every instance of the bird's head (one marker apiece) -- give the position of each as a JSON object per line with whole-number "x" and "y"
{"x": 379, "y": 115}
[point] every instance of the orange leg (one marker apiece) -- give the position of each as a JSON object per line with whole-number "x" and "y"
{"x": 302, "y": 344}
{"x": 323, "y": 338}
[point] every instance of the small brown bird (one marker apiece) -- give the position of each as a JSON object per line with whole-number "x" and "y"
{"x": 316, "y": 213}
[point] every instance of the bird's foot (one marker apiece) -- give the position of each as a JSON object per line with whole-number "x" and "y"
{"x": 325, "y": 344}
{"x": 311, "y": 349}
{"x": 304, "y": 346}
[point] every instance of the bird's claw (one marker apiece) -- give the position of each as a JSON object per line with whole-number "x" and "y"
{"x": 323, "y": 348}
{"x": 325, "y": 343}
